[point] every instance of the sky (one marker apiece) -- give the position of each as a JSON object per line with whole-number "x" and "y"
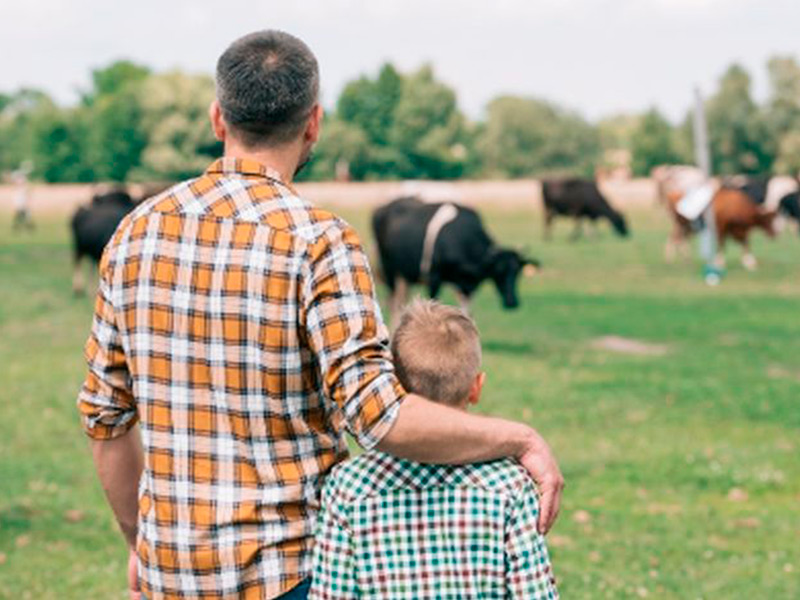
{"x": 599, "y": 57}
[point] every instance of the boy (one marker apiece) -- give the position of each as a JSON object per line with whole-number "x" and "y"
{"x": 395, "y": 529}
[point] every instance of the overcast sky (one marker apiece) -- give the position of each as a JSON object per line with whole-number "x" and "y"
{"x": 597, "y": 56}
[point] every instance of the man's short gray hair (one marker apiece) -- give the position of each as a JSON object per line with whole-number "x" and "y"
{"x": 267, "y": 84}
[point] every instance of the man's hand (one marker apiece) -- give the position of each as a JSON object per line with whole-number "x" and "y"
{"x": 539, "y": 461}
{"x": 133, "y": 576}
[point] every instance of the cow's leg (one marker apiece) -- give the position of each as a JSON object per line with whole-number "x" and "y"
{"x": 719, "y": 259}
{"x": 398, "y": 300}
{"x": 78, "y": 276}
{"x": 677, "y": 242}
{"x": 577, "y": 233}
{"x": 463, "y": 301}
{"x": 671, "y": 246}
{"x": 549, "y": 216}
{"x": 749, "y": 261}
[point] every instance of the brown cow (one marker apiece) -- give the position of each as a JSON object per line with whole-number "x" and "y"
{"x": 735, "y": 216}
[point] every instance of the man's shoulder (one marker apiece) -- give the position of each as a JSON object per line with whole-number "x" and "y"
{"x": 376, "y": 472}
{"x": 265, "y": 202}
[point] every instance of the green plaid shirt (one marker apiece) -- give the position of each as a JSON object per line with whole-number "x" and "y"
{"x": 390, "y": 528}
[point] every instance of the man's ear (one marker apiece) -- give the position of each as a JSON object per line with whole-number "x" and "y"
{"x": 217, "y": 122}
{"x": 477, "y": 388}
{"x": 314, "y": 124}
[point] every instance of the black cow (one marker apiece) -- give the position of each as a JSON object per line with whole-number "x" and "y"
{"x": 92, "y": 228}
{"x": 754, "y": 186}
{"x": 460, "y": 252}
{"x": 790, "y": 206}
{"x": 579, "y": 199}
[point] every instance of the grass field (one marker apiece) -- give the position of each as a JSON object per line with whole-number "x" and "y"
{"x": 682, "y": 468}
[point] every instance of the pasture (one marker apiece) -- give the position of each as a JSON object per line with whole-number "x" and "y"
{"x": 683, "y": 478}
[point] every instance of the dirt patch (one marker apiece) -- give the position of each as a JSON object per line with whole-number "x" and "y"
{"x": 622, "y": 345}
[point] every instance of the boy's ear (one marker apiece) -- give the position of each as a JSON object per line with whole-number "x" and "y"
{"x": 477, "y": 388}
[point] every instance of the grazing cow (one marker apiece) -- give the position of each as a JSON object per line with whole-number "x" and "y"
{"x": 764, "y": 190}
{"x": 673, "y": 182}
{"x": 92, "y": 228}
{"x": 789, "y": 206}
{"x": 439, "y": 243}
{"x": 579, "y": 199}
{"x": 735, "y": 216}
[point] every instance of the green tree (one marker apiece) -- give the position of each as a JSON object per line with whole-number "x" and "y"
{"x": 740, "y": 140}
{"x": 116, "y": 77}
{"x": 428, "y": 129}
{"x": 117, "y": 138}
{"x": 61, "y": 141}
{"x": 783, "y": 112}
{"x": 180, "y": 142}
{"x": 616, "y": 132}
{"x": 653, "y": 143}
{"x": 371, "y": 104}
{"x": 523, "y": 137}
{"x": 21, "y": 117}
{"x": 339, "y": 141}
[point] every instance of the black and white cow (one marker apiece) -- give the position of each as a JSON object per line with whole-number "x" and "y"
{"x": 434, "y": 244}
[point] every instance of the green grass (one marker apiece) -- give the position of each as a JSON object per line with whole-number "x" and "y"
{"x": 651, "y": 446}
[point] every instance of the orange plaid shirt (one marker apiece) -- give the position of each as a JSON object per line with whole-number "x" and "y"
{"x": 238, "y": 324}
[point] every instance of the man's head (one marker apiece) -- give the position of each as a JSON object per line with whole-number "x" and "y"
{"x": 437, "y": 354}
{"x": 267, "y": 93}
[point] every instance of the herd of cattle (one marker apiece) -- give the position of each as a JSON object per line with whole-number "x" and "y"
{"x": 441, "y": 243}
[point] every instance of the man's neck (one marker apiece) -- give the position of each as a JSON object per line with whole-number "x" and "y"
{"x": 284, "y": 160}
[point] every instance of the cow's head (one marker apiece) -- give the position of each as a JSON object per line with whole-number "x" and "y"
{"x": 619, "y": 223}
{"x": 504, "y": 268}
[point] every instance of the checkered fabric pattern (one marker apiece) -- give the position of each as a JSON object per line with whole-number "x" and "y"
{"x": 239, "y": 324}
{"x": 394, "y": 529}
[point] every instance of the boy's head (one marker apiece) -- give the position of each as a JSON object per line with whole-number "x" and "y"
{"x": 437, "y": 354}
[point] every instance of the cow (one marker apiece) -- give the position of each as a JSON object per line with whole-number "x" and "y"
{"x": 673, "y": 182}
{"x": 92, "y": 227}
{"x": 580, "y": 199}
{"x": 438, "y": 243}
{"x": 789, "y": 206}
{"x": 735, "y": 215}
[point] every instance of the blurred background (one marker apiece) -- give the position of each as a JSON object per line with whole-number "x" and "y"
{"x": 671, "y": 404}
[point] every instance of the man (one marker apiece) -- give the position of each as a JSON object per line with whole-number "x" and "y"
{"x": 22, "y": 215}
{"x": 238, "y": 324}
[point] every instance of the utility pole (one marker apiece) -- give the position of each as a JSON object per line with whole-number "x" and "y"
{"x": 712, "y": 274}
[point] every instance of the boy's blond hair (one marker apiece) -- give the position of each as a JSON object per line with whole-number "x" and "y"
{"x": 437, "y": 352}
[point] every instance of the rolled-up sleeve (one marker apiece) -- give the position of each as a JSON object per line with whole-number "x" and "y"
{"x": 345, "y": 330}
{"x": 106, "y": 401}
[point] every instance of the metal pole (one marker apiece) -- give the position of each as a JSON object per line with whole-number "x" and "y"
{"x": 702, "y": 151}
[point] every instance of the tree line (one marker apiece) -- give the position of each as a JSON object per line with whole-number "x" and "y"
{"x": 137, "y": 125}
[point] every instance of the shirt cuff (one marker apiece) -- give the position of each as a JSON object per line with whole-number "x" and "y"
{"x": 103, "y": 422}
{"x": 372, "y": 434}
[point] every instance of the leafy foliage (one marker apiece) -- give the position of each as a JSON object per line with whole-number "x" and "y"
{"x": 526, "y": 136}
{"x": 132, "y": 124}
{"x": 653, "y": 143}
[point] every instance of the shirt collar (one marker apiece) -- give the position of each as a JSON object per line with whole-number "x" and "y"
{"x": 231, "y": 165}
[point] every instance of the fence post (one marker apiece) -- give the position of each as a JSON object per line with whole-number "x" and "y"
{"x": 712, "y": 274}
